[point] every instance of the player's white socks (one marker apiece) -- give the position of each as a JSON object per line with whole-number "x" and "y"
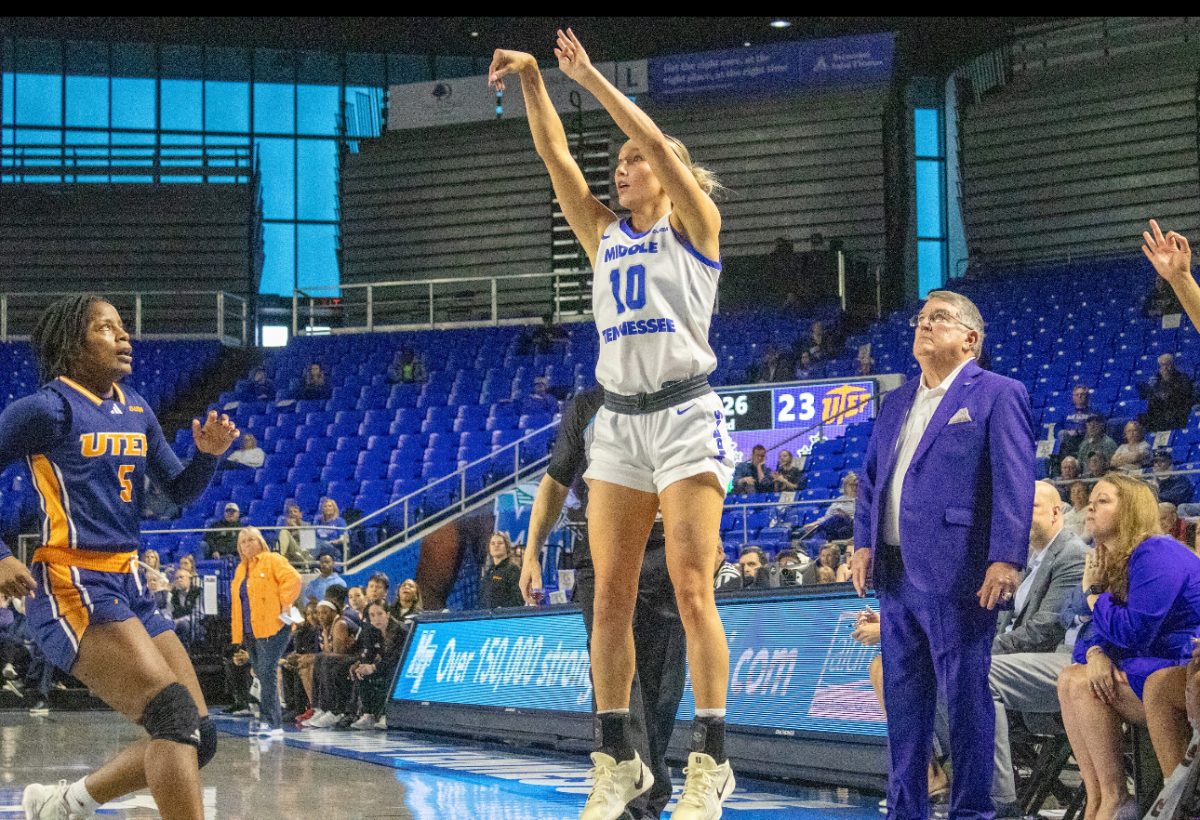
{"x": 79, "y": 800}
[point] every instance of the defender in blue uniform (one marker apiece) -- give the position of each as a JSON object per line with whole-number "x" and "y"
{"x": 89, "y": 443}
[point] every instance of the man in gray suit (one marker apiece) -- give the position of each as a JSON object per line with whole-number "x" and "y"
{"x": 1029, "y": 650}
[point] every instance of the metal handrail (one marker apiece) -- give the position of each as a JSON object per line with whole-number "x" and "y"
{"x": 555, "y": 279}
{"x": 232, "y": 304}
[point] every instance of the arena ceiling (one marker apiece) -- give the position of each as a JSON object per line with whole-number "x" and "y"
{"x": 928, "y": 44}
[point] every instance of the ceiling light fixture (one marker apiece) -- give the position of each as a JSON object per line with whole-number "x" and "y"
{"x": 781, "y": 23}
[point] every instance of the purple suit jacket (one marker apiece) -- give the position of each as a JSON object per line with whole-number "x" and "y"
{"x": 968, "y": 494}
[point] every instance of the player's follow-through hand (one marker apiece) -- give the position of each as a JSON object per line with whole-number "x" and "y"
{"x": 215, "y": 435}
{"x": 506, "y": 62}
{"x": 1171, "y": 255}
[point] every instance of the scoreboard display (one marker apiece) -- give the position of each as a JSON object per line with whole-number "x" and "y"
{"x": 795, "y": 416}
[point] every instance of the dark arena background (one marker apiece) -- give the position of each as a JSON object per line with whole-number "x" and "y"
{"x": 335, "y": 232}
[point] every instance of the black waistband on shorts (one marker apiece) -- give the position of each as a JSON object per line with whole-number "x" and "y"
{"x": 673, "y": 393}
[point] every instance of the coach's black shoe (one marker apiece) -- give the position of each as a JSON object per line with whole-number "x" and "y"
{"x": 345, "y": 722}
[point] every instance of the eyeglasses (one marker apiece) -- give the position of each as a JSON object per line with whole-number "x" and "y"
{"x": 938, "y": 317}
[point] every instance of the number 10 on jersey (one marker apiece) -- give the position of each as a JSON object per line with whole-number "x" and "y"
{"x": 634, "y": 288}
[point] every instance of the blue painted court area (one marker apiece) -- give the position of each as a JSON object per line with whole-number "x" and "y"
{"x": 461, "y": 779}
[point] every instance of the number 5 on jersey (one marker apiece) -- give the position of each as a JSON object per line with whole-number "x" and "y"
{"x": 634, "y": 288}
{"x": 123, "y": 473}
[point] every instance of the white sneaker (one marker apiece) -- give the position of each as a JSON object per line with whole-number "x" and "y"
{"x": 381, "y": 724}
{"x": 47, "y": 802}
{"x": 614, "y": 785}
{"x": 317, "y": 715}
{"x": 705, "y": 788}
{"x": 325, "y": 721}
{"x": 367, "y": 721}
{"x": 15, "y": 688}
{"x": 10, "y": 672}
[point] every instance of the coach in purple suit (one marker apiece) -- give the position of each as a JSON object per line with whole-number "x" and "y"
{"x": 942, "y": 527}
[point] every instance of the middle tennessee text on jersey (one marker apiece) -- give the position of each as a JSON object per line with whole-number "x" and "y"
{"x": 621, "y": 251}
{"x": 637, "y": 328}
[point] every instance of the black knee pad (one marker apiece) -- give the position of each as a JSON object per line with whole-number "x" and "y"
{"x": 172, "y": 715}
{"x": 208, "y": 741}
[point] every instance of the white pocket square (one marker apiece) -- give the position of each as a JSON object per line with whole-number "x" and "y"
{"x": 961, "y": 417}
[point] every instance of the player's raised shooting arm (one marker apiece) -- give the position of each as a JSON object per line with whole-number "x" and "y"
{"x": 587, "y": 216}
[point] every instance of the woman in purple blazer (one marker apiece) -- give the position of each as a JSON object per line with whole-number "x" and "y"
{"x": 1144, "y": 592}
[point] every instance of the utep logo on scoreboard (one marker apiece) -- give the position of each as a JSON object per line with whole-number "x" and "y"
{"x": 844, "y": 402}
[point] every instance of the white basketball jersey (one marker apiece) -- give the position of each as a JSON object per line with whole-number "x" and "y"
{"x": 652, "y": 297}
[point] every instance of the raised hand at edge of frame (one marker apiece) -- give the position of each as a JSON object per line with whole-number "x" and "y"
{"x": 15, "y": 578}
{"x": 573, "y": 60}
{"x": 504, "y": 63}
{"x": 215, "y": 435}
{"x": 1171, "y": 255}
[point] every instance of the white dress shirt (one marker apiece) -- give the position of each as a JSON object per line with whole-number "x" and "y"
{"x": 919, "y": 415}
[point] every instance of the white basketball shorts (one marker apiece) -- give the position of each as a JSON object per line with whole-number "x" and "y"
{"x": 652, "y": 451}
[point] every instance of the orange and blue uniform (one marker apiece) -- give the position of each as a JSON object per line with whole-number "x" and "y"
{"x": 89, "y": 456}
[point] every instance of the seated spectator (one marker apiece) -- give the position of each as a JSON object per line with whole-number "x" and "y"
{"x": 1069, "y": 470}
{"x": 772, "y": 367}
{"x": 753, "y": 476}
{"x": 1134, "y": 454}
{"x": 1144, "y": 592}
{"x": 222, "y": 536}
{"x": 750, "y": 560}
{"x": 518, "y": 554}
{"x": 865, "y": 366}
{"x": 1097, "y": 466}
{"x": 825, "y": 575}
{"x": 830, "y": 557}
{"x": 260, "y": 387}
{"x": 1096, "y": 440}
{"x": 1169, "y": 397}
{"x": 330, "y": 528}
{"x": 183, "y": 606}
{"x": 306, "y": 642}
{"x": 249, "y": 455}
{"x": 406, "y": 368}
{"x": 330, "y": 669}
{"x": 377, "y": 589}
{"x": 1174, "y": 488}
{"x": 1073, "y": 426}
{"x": 15, "y": 645}
{"x": 838, "y": 521}
{"x": 791, "y": 567}
{"x": 321, "y": 615}
{"x": 726, "y": 576}
{"x": 1075, "y": 519}
{"x": 408, "y": 604}
{"x": 500, "y": 575}
{"x": 356, "y": 605}
{"x": 326, "y": 577}
{"x": 818, "y": 343}
{"x": 156, "y": 504}
{"x": 156, "y": 580}
{"x": 539, "y": 401}
{"x": 549, "y": 335}
{"x": 1032, "y": 645}
{"x": 288, "y": 545}
{"x": 805, "y": 367}
{"x": 1171, "y": 524}
{"x": 378, "y": 656}
{"x": 1161, "y": 300}
{"x": 788, "y": 477}
{"x": 314, "y": 387}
